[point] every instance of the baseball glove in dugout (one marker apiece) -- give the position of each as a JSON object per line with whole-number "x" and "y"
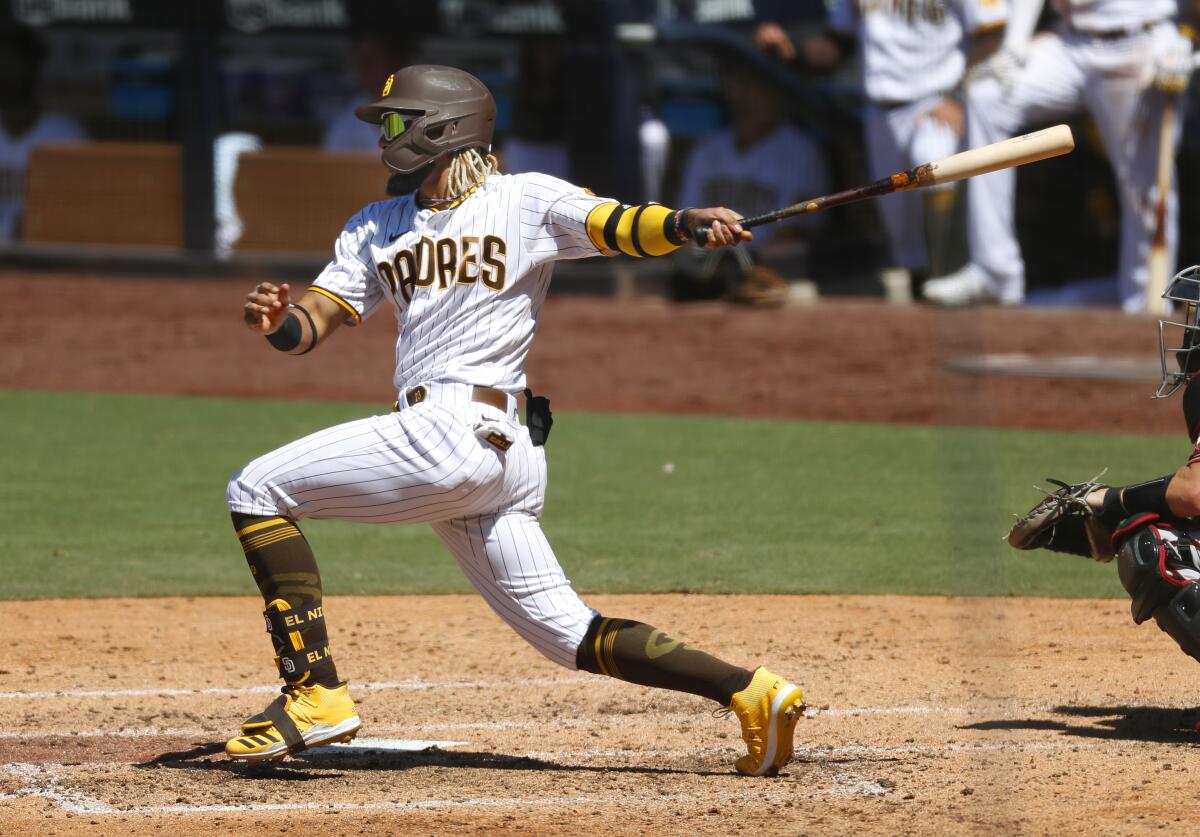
{"x": 1064, "y": 522}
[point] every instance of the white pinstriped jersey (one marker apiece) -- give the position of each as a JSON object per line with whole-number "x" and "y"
{"x": 1107, "y": 15}
{"x": 910, "y": 49}
{"x": 467, "y": 282}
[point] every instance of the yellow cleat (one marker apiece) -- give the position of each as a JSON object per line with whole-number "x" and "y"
{"x": 768, "y": 710}
{"x": 302, "y": 717}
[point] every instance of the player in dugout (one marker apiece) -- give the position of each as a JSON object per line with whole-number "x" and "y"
{"x": 463, "y": 260}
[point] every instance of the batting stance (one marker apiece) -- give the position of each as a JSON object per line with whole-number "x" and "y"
{"x": 1150, "y": 527}
{"x": 464, "y": 262}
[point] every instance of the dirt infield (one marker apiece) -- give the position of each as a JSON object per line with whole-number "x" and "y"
{"x": 927, "y": 716}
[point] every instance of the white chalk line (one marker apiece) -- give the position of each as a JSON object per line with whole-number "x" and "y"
{"x": 42, "y": 781}
{"x": 410, "y": 685}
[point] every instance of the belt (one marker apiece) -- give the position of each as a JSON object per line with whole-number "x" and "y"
{"x": 484, "y": 395}
{"x": 1118, "y": 34}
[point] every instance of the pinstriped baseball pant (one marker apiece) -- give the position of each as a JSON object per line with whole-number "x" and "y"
{"x": 424, "y": 464}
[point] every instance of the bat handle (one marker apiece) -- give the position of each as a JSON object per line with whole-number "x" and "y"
{"x": 700, "y": 234}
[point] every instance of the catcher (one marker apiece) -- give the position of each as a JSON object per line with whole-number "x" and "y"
{"x": 1151, "y": 528}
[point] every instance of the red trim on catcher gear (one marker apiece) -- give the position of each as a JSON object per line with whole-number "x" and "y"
{"x": 1136, "y": 523}
{"x": 1162, "y": 560}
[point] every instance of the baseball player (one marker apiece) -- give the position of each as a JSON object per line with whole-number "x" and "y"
{"x": 24, "y": 124}
{"x": 912, "y": 57}
{"x": 1123, "y": 59}
{"x": 1150, "y": 527}
{"x": 463, "y": 260}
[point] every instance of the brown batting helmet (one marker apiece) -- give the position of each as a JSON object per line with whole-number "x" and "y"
{"x": 427, "y": 110}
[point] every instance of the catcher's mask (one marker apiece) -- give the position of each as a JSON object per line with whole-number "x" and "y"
{"x": 428, "y": 110}
{"x": 1184, "y": 336}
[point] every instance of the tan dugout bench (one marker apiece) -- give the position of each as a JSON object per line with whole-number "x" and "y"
{"x": 291, "y": 200}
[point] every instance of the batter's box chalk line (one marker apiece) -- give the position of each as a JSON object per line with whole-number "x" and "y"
{"x": 42, "y": 781}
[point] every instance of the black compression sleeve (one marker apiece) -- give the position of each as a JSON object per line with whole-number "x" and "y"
{"x": 288, "y": 335}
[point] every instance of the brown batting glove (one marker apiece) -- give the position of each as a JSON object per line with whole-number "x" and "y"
{"x": 717, "y": 227}
{"x": 266, "y": 308}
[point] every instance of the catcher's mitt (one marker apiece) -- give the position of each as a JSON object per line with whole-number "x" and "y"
{"x": 1064, "y": 522}
{"x": 762, "y": 287}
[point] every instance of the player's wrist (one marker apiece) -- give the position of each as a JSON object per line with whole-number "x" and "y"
{"x": 677, "y": 228}
{"x": 290, "y": 333}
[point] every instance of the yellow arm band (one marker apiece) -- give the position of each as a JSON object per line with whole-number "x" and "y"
{"x": 644, "y": 230}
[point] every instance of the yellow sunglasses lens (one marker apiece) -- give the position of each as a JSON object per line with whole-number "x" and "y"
{"x": 392, "y": 126}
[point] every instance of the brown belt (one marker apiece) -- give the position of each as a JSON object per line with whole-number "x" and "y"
{"x": 1117, "y": 34}
{"x": 484, "y": 395}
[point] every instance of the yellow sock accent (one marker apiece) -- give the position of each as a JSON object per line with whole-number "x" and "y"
{"x": 254, "y": 527}
{"x": 596, "y": 649}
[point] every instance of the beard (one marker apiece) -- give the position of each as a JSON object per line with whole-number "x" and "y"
{"x": 401, "y": 183}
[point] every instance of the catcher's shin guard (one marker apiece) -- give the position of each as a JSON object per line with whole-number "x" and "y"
{"x": 1159, "y": 567}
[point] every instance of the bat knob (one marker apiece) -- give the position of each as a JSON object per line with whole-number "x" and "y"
{"x": 700, "y": 235}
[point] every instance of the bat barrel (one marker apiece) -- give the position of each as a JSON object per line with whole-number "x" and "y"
{"x": 1027, "y": 148}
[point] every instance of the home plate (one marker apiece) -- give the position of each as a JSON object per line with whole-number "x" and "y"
{"x": 365, "y": 746}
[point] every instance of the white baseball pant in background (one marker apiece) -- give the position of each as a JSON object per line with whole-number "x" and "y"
{"x": 898, "y": 138}
{"x": 1063, "y": 70}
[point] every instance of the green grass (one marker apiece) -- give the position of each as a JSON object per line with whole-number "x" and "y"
{"x": 124, "y": 495}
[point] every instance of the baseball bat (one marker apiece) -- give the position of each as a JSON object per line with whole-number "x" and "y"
{"x": 1157, "y": 268}
{"x": 1028, "y": 148}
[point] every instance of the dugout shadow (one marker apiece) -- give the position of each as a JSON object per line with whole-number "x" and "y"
{"x": 1152, "y": 724}
{"x": 308, "y": 766}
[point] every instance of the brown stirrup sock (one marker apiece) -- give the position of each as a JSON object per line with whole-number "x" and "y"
{"x": 638, "y": 653}
{"x": 284, "y": 567}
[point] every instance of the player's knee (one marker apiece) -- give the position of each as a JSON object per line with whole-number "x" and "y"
{"x": 1159, "y": 567}
{"x": 245, "y": 496}
{"x": 1180, "y": 619}
{"x": 1140, "y": 540}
